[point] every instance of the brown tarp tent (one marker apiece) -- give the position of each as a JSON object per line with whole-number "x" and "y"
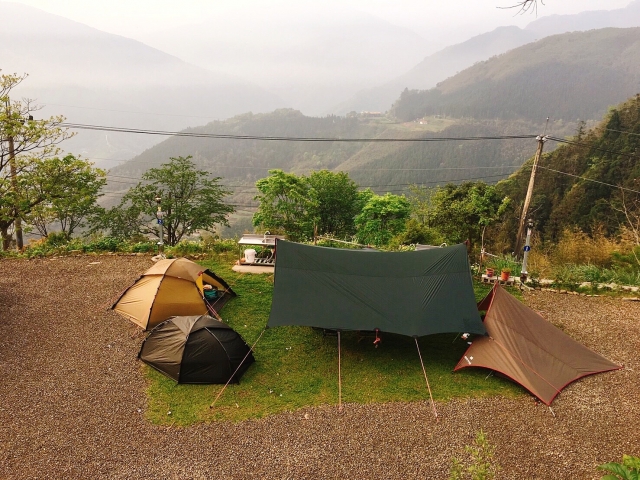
{"x": 172, "y": 287}
{"x": 528, "y": 349}
{"x": 197, "y": 349}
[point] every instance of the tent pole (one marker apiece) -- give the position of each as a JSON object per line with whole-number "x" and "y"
{"x": 339, "y": 376}
{"x": 238, "y": 368}
{"x": 433, "y": 405}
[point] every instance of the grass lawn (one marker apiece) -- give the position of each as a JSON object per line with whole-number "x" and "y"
{"x": 297, "y": 367}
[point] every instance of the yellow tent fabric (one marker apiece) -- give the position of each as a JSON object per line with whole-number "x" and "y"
{"x": 171, "y": 287}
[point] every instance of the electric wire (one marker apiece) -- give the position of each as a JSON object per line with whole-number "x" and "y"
{"x": 285, "y": 139}
{"x": 620, "y": 131}
{"x": 590, "y": 180}
{"x": 592, "y": 147}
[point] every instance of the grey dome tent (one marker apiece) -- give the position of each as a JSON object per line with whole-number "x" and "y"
{"x": 196, "y": 349}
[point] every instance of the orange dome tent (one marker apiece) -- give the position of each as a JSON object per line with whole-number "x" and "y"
{"x": 173, "y": 287}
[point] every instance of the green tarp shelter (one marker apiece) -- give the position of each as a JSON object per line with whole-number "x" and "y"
{"x": 409, "y": 293}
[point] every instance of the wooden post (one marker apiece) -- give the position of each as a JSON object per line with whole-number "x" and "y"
{"x": 527, "y": 200}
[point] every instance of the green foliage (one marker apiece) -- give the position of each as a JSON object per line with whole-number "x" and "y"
{"x": 295, "y": 205}
{"x": 505, "y": 262}
{"x": 573, "y": 202}
{"x": 382, "y": 218}
{"x": 144, "y": 247}
{"x": 335, "y": 203}
{"x": 72, "y": 186}
{"x": 285, "y": 205}
{"x": 462, "y": 212}
{"x": 480, "y": 464}
{"x": 104, "y": 244}
{"x": 415, "y": 233}
{"x": 27, "y": 178}
{"x": 189, "y": 201}
{"x": 629, "y": 469}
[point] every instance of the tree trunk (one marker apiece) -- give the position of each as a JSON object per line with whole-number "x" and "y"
{"x": 6, "y": 238}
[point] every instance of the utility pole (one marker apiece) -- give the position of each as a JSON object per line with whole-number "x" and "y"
{"x": 524, "y": 274}
{"x": 527, "y": 200}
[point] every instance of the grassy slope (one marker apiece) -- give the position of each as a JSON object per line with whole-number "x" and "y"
{"x": 297, "y": 367}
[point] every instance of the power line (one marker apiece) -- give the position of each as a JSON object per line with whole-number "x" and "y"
{"x": 592, "y": 147}
{"x": 109, "y": 175}
{"x": 285, "y": 139}
{"x": 620, "y": 131}
{"x": 590, "y": 179}
{"x": 434, "y": 182}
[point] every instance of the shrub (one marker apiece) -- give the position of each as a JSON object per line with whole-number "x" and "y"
{"x": 479, "y": 464}
{"x": 104, "y": 244}
{"x": 629, "y": 469}
{"x": 577, "y": 247}
{"x": 144, "y": 247}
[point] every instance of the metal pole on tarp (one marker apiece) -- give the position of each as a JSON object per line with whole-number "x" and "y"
{"x": 433, "y": 405}
{"x": 339, "y": 376}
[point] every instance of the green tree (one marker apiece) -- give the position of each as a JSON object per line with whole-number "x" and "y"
{"x": 71, "y": 201}
{"x": 335, "y": 202}
{"x": 24, "y": 144}
{"x": 462, "y": 212}
{"x": 189, "y": 200}
{"x": 381, "y": 218}
{"x": 420, "y": 200}
{"x": 285, "y": 205}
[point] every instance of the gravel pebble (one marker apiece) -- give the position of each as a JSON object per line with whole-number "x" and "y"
{"x": 72, "y": 400}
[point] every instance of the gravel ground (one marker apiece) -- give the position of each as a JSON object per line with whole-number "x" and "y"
{"x": 72, "y": 400}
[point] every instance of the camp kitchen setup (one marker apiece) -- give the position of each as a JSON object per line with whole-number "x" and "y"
{"x": 267, "y": 244}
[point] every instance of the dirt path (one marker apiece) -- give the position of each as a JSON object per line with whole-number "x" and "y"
{"x": 72, "y": 400}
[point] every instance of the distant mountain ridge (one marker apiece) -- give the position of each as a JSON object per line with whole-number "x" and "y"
{"x": 570, "y": 76}
{"x": 453, "y": 59}
{"x": 437, "y": 67}
{"x": 72, "y": 65}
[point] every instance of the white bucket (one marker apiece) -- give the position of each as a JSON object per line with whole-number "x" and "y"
{"x": 250, "y": 255}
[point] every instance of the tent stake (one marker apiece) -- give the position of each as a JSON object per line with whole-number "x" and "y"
{"x": 238, "y": 368}
{"x": 339, "y": 376}
{"x": 552, "y": 412}
{"x": 433, "y": 405}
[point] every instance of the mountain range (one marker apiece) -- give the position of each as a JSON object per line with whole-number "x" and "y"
{"x": 453, "y": 59}
{"x": 565, "y": 77}
{"x": 93, "y": 77}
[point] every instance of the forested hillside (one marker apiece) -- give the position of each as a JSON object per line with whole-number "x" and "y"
{"x": 578, "y": 184}
{"x": 570, "y": 76}
{"x": 383, "y": 166}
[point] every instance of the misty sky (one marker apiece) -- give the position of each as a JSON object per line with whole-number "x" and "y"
{"x": 458, "y": 19}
